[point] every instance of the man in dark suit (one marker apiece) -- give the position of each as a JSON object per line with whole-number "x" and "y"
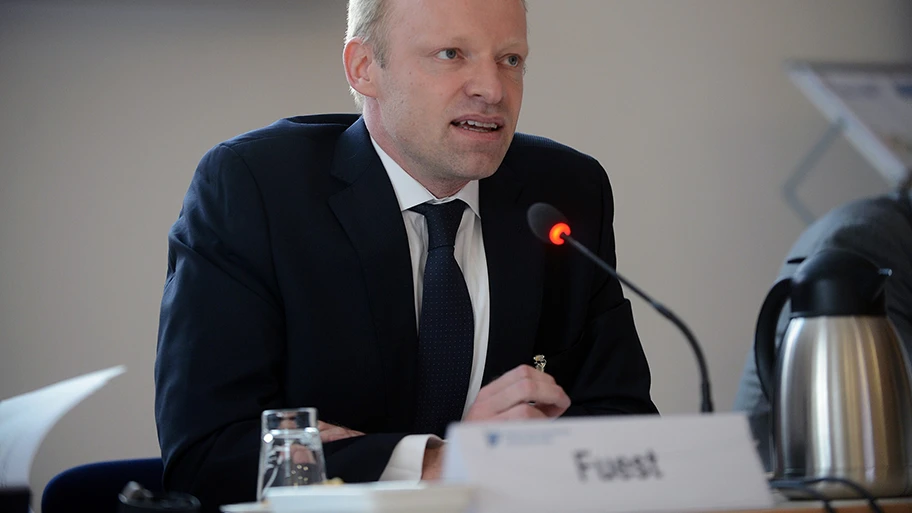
{"x": 380, "y": 268}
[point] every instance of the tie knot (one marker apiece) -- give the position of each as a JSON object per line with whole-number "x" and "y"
{"x": 442, "y": 221}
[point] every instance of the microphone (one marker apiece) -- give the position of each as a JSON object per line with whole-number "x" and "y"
{"x": 549, "y": 225}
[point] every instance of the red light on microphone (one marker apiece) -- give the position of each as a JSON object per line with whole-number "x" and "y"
{"x": 557, "y": 231}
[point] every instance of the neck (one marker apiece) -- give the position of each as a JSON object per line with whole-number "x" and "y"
{"x": 442, "y": 190}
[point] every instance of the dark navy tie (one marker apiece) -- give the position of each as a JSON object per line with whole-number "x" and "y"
{"x": 446, "y": 329}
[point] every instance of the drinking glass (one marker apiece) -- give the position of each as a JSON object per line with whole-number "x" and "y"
{"x": 291, "y": 453}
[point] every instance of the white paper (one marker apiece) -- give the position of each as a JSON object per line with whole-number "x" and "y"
{"x": 609, "y": 464}
{"x": 27, "y": 418}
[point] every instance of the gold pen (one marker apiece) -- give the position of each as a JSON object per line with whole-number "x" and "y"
{"x": 539, "y": 362}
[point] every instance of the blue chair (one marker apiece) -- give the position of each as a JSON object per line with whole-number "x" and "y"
{"x": 95, "y": 486}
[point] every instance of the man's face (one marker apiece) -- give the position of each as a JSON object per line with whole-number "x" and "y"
{"x": 449, "y": 95}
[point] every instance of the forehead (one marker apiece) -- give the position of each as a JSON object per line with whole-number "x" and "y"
{"x": 497, "y": 20}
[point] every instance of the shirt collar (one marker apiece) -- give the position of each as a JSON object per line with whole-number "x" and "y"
{"x": 410, "y": 192}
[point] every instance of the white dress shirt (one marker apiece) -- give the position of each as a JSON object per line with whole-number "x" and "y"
{"x": 408, "y": 456}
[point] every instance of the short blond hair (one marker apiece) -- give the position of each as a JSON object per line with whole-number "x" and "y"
{"x": 367, "y": 21}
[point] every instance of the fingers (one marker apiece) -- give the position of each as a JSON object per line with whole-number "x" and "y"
{"x": 326, "y": 426}
{"x": 523, "y": 411}
{"x": 432, "y": 466}
{"x": 301, "y": 455}
{"x": 552, "y": 411}
{"x": 331, "y": 435}
{"x": 331, "y": 432}
{"x": 509, "y": 397}
{"x": 518, "y": 373}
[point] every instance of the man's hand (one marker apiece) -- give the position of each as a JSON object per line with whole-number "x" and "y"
{"x": 432, "y": 466}
{"x": 331, "y": 432}
{"x": 522, "y": 393}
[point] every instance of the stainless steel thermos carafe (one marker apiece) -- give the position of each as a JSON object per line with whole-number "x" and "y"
{"x": 839, "y": 382}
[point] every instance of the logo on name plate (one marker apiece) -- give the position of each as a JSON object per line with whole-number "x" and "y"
{"x": 524, "y": 437}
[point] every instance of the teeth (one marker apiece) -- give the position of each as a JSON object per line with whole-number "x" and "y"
{"x": 478, "y": 124}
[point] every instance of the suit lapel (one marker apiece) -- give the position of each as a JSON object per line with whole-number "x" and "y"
{"x": 514, "y": 259}
{"x": 369, "y": 213}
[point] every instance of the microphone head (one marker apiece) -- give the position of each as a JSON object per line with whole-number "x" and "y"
{"x": 547, "y": 223}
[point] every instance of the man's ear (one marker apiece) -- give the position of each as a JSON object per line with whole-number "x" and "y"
{"x": 358, "y": 60}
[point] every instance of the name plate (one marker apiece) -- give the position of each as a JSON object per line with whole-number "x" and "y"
{"x": 608, "y": 464}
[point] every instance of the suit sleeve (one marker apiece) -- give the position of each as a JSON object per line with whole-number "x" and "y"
{"x": 221, "y": 344}
{"x": 614, "y": 377}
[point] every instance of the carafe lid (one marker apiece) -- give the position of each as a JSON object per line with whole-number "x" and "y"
{"x": 838, "y": 282}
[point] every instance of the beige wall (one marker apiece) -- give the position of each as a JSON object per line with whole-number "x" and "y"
{"x": 106, "y": 106}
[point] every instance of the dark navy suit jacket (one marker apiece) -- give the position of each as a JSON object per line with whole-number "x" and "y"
{"x": 290, "y": 284}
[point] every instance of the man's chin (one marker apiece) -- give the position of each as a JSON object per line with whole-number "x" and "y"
{"x": 474, "y": 174}
{"x": 479, "y": 168}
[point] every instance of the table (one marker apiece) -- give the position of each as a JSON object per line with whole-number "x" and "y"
{"x": 896, "y": 505}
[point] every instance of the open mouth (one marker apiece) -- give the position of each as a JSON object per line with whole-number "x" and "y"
{"x": 477, "y": 126}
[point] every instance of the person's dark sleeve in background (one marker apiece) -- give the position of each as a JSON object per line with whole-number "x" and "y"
{"x": 879, "y": 229}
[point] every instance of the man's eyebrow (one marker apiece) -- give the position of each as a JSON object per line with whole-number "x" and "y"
{"x": 462, "y": 41}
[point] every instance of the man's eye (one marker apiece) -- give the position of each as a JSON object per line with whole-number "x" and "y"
{"x": 448, "y": 54}
{"x": 514, "y": 61}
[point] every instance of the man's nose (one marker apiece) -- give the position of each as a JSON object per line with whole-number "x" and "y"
{"x": 486, "y": 83}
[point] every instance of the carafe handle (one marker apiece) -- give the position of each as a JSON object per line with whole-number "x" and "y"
{"x": 765, "y": 337}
